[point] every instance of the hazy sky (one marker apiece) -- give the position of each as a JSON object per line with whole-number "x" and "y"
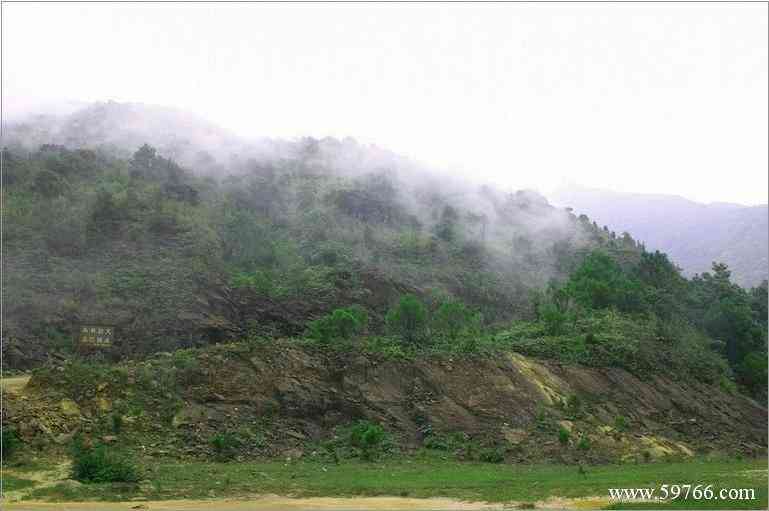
{"x": 641, "y": 97}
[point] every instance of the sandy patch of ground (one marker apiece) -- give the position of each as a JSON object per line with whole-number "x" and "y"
{"x": 14, "y": 385}
{"x": 578, "y": 503}
{"x": 263, "y": 503}
{"x": 274, "y": 502}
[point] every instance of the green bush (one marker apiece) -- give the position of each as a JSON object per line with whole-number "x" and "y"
{"x": 341, "y": 324}
{"x": 225, "y": 446}
{"x": 554, "y": 319}
{"x": 563, "y": 435}
{"x": 543, "y": 420}
{"x": 117, "y": 423}
{"x": 408, "y": 319}
{"x": 369, "y": 438}
{"x": 727, "y": 385}
{"x": 620, "y": 340}
{"x": 573, "y": 405}
{"x": 49, "y": 184}
{"x": 263, "y": 281}
{"x": 10, "y": 442}
{"x": 599, "y": 283}
{"x": 100, "y": 464}
{"x": 491, "y": 455}
{"x": 752, "y": 371}
{"x": 445, "y": 442}
{"x": 620, "y": 423}
{"x": 453, "y": 319}
{"x": 584, "y": 443}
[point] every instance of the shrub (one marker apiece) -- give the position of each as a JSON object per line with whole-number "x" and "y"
{"x": 491, "y": 455}
{"x": 573, "y": 405}
{"x": 10, "y": 442}
{"x": 340, "y": 324}
{"x": 117, "y": 423}
{"x": 65, "y": 231}
{"x": 543, "y": 420}
{"x": 752, "y": 371}
{"x": 49, "y": 184}
{"x": 563, "y": 435}
{"x": 369, "y": 438}
{"x": 553, "y": 318}
{"x": 453, "y": 319}
{"x": 727, "y": 385}
{"x": 408, "y": 319}
{"x": 225, "y": 445}
{"x": 445, "y": 442}
{"x": 389, "y": 348}
{"x": 583, "y": 444}
{"x": 599, "y": 283}
{"x": 622, "y": 340}
{"x": 620, "y": 423}
{"x": 105, "y": 219}
{"x": 188, "y": 369}
{"x": 99, "y": 464}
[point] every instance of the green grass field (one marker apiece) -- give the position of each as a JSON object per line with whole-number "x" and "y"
{"x": 426, "y": 477}
{"x": 13, "y": 483}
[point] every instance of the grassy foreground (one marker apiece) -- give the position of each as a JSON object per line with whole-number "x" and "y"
{"x": 422, "y": 477}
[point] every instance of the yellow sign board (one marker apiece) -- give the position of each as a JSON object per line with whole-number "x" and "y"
{"x": 97, "y": 336}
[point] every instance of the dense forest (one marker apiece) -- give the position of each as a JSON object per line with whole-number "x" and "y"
{"x": 344, "y": 246}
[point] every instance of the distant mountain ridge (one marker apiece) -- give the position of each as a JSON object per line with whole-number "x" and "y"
{"x": 693, "y": 234}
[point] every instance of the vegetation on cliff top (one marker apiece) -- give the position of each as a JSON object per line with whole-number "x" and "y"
{"x": 175, "y": 259}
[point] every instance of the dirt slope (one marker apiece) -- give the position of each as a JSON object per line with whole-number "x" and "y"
{"x": 296, "y": 398}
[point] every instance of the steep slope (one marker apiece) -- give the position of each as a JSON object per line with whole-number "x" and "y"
{"x": 296, "y": 400}
{"x": 693, "y": 234}
{"x": 263, "y": 243}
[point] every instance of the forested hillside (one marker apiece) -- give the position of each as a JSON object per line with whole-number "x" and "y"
{"x": 694, "y": 235}
{"x": 170, "y": 257}
{"x": 334, "y": 243}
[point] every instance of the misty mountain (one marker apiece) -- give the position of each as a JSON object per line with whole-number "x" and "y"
{"x": 119, "y": 128}
{"x": 178, "y": 232}
{"x": 694, "y": 235}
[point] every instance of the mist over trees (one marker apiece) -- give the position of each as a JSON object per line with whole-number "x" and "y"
{"x": 181, "y": 234}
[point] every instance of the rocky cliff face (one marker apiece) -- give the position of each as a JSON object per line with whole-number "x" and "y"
{"x": 297, "y": 397}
